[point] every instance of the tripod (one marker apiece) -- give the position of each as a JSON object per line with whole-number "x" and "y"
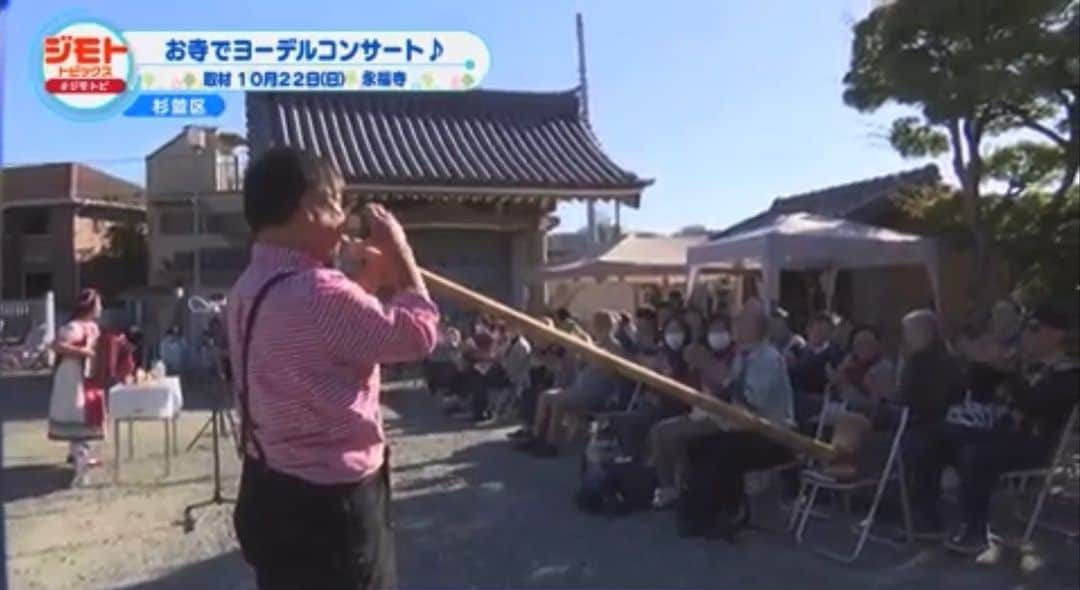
{"x": 218, "y": 415}
{"x": 227, "y": 425}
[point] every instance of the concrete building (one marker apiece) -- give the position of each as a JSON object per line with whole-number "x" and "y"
{"x": 55, "y": 223}
{"x": 197, "y": 235}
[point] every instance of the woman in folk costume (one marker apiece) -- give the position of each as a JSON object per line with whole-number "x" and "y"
{"x": 77, "y": 405}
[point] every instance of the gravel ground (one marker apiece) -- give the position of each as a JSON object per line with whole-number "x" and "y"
{"x": 470, "y": 513}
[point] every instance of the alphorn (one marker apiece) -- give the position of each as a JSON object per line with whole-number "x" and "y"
{"x": 655, "y": 381}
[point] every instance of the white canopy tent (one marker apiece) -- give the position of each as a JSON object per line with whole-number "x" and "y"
{"x": 803, "y": 241}
{"x": 634, "y": 256}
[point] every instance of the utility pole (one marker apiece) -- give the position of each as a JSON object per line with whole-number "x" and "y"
{"x": 583, "y": 91}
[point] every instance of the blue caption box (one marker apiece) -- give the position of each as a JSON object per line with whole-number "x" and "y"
{"x": 176, "y": 105}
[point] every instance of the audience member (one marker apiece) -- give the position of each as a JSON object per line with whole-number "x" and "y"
{"x": 930, "y": 378}
{"x": 633, "y": 426}
{"x": 515, "y": 359}
{"x": 670, "y": 437}
{"x": 664, "y": 313}
{"x": 809, "y": 365}
{"x": 865, "y": 377}
{"x": 646, "y": 332}
{"x": 624, "y": 332}
{"x": 1041, "y": 401}
{"x": 550, "y": 368}
{"x": 783, "y": 337}
{"x": 646, "y": 351}
{"x": 695, "y": 321}
{"x": 842, "y": 329}
{"x": 713, "y": 501}
{"x": 441, "y": 368}
{"x": 676, "y": 301}
{"x": 171, "y": 351}
{"x": 675, "y": 338}
{"x": 482, "y": 373}
{"x": 590, "y": 392}
{"x": 566, "y": 322}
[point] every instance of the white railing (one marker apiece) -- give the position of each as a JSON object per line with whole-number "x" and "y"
{"x": 27, "y": 330}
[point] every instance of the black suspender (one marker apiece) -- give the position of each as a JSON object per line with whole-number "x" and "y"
{"x": 247, "y": 425}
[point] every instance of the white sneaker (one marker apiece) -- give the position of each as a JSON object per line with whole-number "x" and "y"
{"x": 83, "y": 464}
{"x": 664, "y": 498}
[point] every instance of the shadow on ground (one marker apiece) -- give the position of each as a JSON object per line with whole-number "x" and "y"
{"x": 224, "y": 572}
{"x": 470, "y": 512}
{"x": 28, "y": 481}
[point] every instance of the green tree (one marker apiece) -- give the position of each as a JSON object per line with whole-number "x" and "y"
{"x": 1037, "y": 235}
{"x": 1042, "y": 65}
{"x": 973, "y": 70}
{"x": 126, "y": 251}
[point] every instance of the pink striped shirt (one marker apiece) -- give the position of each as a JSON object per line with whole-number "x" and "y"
{"x": 314, "y": 363}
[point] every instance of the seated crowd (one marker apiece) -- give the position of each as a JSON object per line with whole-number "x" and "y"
{"x": 994, "y": 400}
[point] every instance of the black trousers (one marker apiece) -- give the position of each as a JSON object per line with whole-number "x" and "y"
{"x": 476, "y": 386}
{"x": 540, "y": 380}
{"x": 718, "y": 463}
{"x": 297, "y": 534}
{"x": 980, "y": 457}
{"x": 440, "y": 376}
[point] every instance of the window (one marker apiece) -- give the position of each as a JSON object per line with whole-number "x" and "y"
{"x": 35, "y": 222}
{"x": 182, "y": 261}
{"x": 225, "y": 223}
{"x": 37, "y": 284}
{"x": 177, "y": 223}
{"x": 228, "y": 172}
{"x": 224, "y": 259}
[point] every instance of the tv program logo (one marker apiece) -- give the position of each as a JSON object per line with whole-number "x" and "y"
{"x": 86, "y": 66}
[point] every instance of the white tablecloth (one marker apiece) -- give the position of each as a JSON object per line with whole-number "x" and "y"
{"x": 157, "y": 400}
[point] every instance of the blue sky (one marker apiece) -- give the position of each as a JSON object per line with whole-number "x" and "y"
{"x": 726, "y": 103}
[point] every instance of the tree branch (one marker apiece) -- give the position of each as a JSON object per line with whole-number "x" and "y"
{"x": 958, "y": 151}
{"x": 1072, "y": 156}
{"x": 1028, "y": 121}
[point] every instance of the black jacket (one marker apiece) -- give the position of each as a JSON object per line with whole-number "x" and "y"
{"x": 1046, "y": 396}
{"x": 808, "y": 372}
{"x": 930, "y": 382}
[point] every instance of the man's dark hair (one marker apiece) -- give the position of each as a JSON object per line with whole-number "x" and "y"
{"x": 562, "y": 314}
{"x": 276, "y": 181}
{"x": 645, "y": 313}
{"x": 859, "y": 329}
{"x": 822, "y": 317}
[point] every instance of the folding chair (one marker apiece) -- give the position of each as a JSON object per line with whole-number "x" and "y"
{"x": 825, "y": 419}
{"x": 574, "y": 425}
{"x": 1062, "y": 464}
{"x": 635, "y": 400}
{"x": 823, "y": 478}
{"x": 764, "y": 476}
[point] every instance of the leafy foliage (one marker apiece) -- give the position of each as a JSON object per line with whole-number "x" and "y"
{"x": 1026, "y": 165}
{"x": 122, "y": 264}
{"x": 1039, "y": 241}
{"x": 974, "y": 70}
{"x": 914, "y": 139}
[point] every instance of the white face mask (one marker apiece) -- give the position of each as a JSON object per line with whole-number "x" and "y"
{"x": 719, "y": 340}
{"x": 675, "y": 340}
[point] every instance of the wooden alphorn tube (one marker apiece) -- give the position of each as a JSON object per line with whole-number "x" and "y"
{"x": 655, "y": 381}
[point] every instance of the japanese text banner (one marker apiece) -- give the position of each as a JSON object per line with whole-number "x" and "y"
{"x": 311, "y": 60}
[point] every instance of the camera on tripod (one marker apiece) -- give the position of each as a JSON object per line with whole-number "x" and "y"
{"x": 214, "y": 344}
